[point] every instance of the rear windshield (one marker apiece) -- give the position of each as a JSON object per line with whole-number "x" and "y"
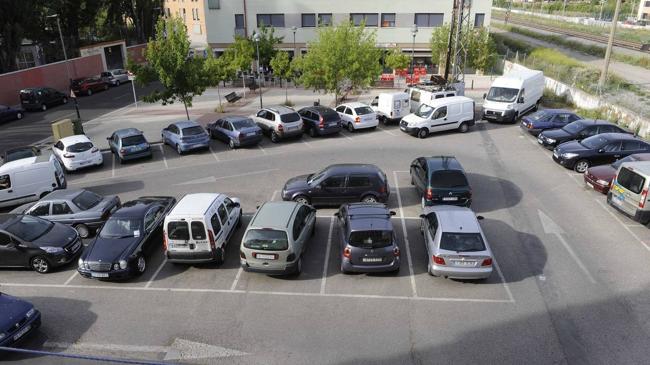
{"x": 27, "y": 95}
{"x": 541, "y": 115}
{"x": 18, "y": 154}
{"x": 573, "y": 128}
{"x": 193, "y": 131}
{"x": 178, "y": 231}
{"x": 371, "y": 239}
{"x": 198, "y": 230}
{"x": 80, "y": 147}
{"x": 330, "y": 115}
{"x": 630, "y": 180}
{"x": 462, "y": 242}
{"x": 266, "y": 240}
{"x": 448, "y": 179}
{"x": 133, "y": 140}
{"x": 291, "y": 117}
{"x": 363, "y": 110}
{"x": 244, "y": 123}
{"x": 86, "y": 200}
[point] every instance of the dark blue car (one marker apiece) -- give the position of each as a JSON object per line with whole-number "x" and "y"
{"x": 17, "y": 318}
{"x": 237, "y": 131}
{"x": 8, "y": 113}
{"x": 129, "y": 144}
{"x": 547, "y": 119}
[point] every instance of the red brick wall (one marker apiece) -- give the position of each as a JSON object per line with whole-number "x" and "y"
{"x": 136, "y": 53}
{"x": 53, "y": 75}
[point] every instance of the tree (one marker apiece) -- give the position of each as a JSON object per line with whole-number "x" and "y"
{"x": 282, "y": 69}
{"x": 168, "y": 60}
{"x": 241, "y": 54}
{"x": 439, "y": 43}
{"x": 218, "y": 70}
{"x": 267, "y": 44}
{"x": 397, "y": 60}
{"x": 481, "y": 49}
{"x": 341, "y": 55}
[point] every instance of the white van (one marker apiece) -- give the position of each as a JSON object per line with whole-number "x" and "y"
{"x": 418, "y": 96}
{"x": 456, "y": 112}
{"x": 391, "y": 106}
{"x": 629, "y": 190}
{"x": 512, "y": 95}
{"x": 29, "y": 179}
{"x": 199, "y": 226}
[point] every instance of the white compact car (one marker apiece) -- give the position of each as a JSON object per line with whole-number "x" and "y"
{"x": 77, "y": 152}
{"x": 357, "y": 116}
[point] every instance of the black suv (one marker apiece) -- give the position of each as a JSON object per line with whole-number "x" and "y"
{"x": 41, "y": 98}
{"x": 441, "y": 180}
{"x": 337, "y": 184}
{"x": 320, "y": 120}
{"x": 368, "y": 242}
{"x": 578, "y": 130}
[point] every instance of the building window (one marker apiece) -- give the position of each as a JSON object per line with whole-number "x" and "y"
{"x": 169, "y": 12}
{"x": 647, "y": 4}
{"x": 370, "y": 19}
{"x": 308, "y": 20}
{"x": 479, "y": 19}
{"x": 239, "y": 21}
{"x": 388, "y": 20}
{"x": 193, "y": 16}
{"x": 325, "y": 19}
{"x": 213, "y": 4}
{"x": 274, "y": 20}
{"x": 429, "y": 19}
{"x": 184, "y": 14}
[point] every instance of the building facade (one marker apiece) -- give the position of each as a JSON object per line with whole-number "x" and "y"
{"x": 644, "y": 10}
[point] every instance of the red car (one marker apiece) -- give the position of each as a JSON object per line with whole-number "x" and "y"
{"x": 87, "y": 86}
{"x": 600, "y": 177}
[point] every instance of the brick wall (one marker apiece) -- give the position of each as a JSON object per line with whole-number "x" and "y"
{"x": 136, "y": 53}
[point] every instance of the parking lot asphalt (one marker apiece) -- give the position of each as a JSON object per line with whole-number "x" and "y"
{"x": 571, "y": 284}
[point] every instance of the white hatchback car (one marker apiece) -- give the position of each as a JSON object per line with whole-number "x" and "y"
{"x": 357, "y": 116}
{"x": 76, "y": 152}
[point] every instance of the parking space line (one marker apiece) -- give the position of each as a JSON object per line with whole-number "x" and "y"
{"x": 386, "y": 131}
{"x": 573, "y": 177}
{"x": 74, "y": 275}
{"x": 346, "y": 136}
{"x": 323, "y": 281}
{"x": 162, "y": 150}
{"x": 155, "y": 274}
{"x": 234, "y": 283}
{"x": 307, "y": 143}
{"x": 623, "y": 224}
{"x": 275, "y": 193}
{"x": 503, "y": 280}
{"x": 112, "y": 166}
{"x": 406, "y": 240}
{"x": 214, "y": 154}
{"x": 262, "y": 148}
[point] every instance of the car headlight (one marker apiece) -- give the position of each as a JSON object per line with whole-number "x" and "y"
{"x": 569, "y": 155}
{"x": 122, "y": 264}
{"x": 510, "y": 107}
{"x": 602, "y": 182}
{"x": 30, "y": 312}
{"x": 52, "y": 250}
{"x": 81, "y": 263}
{"x": 550, "y": 140}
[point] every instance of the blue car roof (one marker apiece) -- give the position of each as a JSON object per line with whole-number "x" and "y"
{"x": 234, "y": 118}
{"x": 186, "y": 123}
{"x": 127, "y": 132}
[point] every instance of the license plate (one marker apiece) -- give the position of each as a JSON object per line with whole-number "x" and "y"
{"x": 333, "y": 124}
{"x": 177, "y": 245}
{"x": 402, "y": 128}
{"x": 264, "y": 256}
{"x": 99, "y": 274}
{"x": 371, "y": 259}
{"x": 22, "y": 332}
{"x": 449, "y": 198}
{"x": 590, "y": 185}
{"x": 464, "y": 263}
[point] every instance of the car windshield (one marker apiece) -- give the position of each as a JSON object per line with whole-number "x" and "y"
{"x": 86, "y": 200}
{"x": 178, "y": 231}
{"x": 502, "y": 94}
{"x": 244, "y": 123}
{"x": 448, "y": 179}
{"x": 193, "y": 131}
{"x": 541, "y": 115}
{"x": 462, "y": 242}
{"x": 133, "y": 140}
{"x": 593, "y": 142}
{"x": 330, "y": 115}
{"x": 266, "y": 240}
{"x": 80, "y": 147}
{"x": 316, "y": 176}
{"x": 573, "y": 128}
{"x": 371, "y": 239}
{"x": 29, "y": 228}
{"x": 117, "y": 227}
{"x": 289, "y": 118}
{"x": 18, "y": 154}
{"x": 424, "y": 111}
{"x": 363, "y": 110}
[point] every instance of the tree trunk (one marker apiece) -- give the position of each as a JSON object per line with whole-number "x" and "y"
{"x": 219, "y": 95}
{"x": 286, "y": 92}
{"x": 186, "y": 112}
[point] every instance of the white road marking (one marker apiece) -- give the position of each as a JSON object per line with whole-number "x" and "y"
{"x": 406, "y": 240}
{"x": 503, "y": 279}
{"x": 263, "y": 150}
{"x": 573, "y": 177}
{"x": 155, "y": 274}
{"x": 234, "y": 283}
{"x": 162, "y": 150}
{"x": 386, "y": 131}
{"x": 275, "y": 193}
{"x": 214, "y": 154}
{"x": 346, "y": 136}
{"x": 307, "y": 143}
{"x": 112, "y": 166}
{"x": 623, "y": 224}
{"x": 74, "y": 275}
{"x": 323, "y": 281}
{"x": 211, "y": 179}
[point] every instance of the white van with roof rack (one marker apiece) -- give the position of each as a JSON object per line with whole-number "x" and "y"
{"x": 425, "y": 95}
{"x": 29, "y": 179}
{"x": 199, "y": 227}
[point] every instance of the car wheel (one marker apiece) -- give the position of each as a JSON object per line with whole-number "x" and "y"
{"x": 105, "y": 87}
{"x": 141, "y": 265}
{"x": 117, "y": 83}
{"x": 369, "y": 199}
{"x": 581, "y": 166}
{"x": 64, "y": 100}
{"x": 275, "y": 138}
{"x": 301, "y": 199}
{"x": 312, "y": 132}
{"x": 231, "y": 144}
{"x": 412, "y": 181}
{"x": 463, "y": 127}
{"x": 43, "y": 107}
{"x": 83, "y": 230}
{"x": 179, "y": 149}
{"x": 40, "y": 265}
{"x": 221, "y": 256}
{"x": 19, "y": 115}
{"x": 298, "y": 266}
{"x": 239, "y": 223}
{"x": 421, "y": 227}
{"x": 164, "y": 141}
{"x": 89, "y": 92}
{"x": 385, "y": 120}
{"x": 350, "y": 127}
{"x": 423, "y": 133}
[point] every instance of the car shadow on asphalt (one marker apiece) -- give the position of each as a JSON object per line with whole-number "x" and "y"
{"x": 117, "y": 187}
{"x": 490, "y": 193}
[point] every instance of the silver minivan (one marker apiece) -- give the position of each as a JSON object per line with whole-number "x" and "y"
{"x": 277, "y": 237}
{"x": 629, "y": 190}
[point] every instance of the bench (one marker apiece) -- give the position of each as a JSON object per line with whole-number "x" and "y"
{"x": 232, "y": 97}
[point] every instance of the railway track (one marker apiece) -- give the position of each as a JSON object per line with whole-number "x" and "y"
{"x": 637, "y": 46}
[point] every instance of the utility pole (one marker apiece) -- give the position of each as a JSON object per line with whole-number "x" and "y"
{"x": 67, "y": 65}
{"x": 564, "y": 8}
{"x": 610, "y": 43}
{"x": 449, "y": 41}
{"x": 602, "y": 3}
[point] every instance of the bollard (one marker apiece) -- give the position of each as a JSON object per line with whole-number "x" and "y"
{"x": 472, "y": 84}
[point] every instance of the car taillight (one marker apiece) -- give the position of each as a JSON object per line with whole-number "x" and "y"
{"x": 347, "y": 252}
{"x": 429, "y": 194}
{"x": 321, "y": 122}
{"x": 487, "y": 262}
{"x": 211, "y": 238}
{"x": 396, "y": 252}
{"x": 242, "y": 255}
{"x": 165, "y": 243}
{"x": 95, "y": 149}
{"x": 644, "y": 196}
{"x": 280, "y": 128}
{"x": 438, "y": 260}
{"x": 529, "y": 125}
{"x": 357, "y": 120}
{"x": 68, "y": 155}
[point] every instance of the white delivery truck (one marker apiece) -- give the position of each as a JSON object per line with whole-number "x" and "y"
{"x": 456, "y": 112}
{"x": 29, "y": 179}
{"x": 391, "y": 106}
{"x": 512, "y": 95}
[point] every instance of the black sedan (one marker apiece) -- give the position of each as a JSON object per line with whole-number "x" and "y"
{"x": 598, "y": 150}
{"x": 133, "y": 231}
{"x": 17, "y": 318}
{"x": 84, "y": 210}
{"x": 577, "y": 130}
{"x": 27, "y": 241}
{"x": 8, "y": 113}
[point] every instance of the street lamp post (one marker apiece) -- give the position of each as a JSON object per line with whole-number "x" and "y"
{"x": 414, "y": 31}
{"x": 256, "y": 39}
{"x": 294, "y": 29}
{"x": 65, "y": 57}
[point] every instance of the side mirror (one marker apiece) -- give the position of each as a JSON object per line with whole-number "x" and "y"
{"x": 337, "y": 215}
{"x": 108, "y": 138}
{"x": 392, "y": 213}
{"x": 480, "y": 217}
{"x": 422, "y": 216}
{"x": 520, "y": 100}
{"x": 484, "y": 95}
